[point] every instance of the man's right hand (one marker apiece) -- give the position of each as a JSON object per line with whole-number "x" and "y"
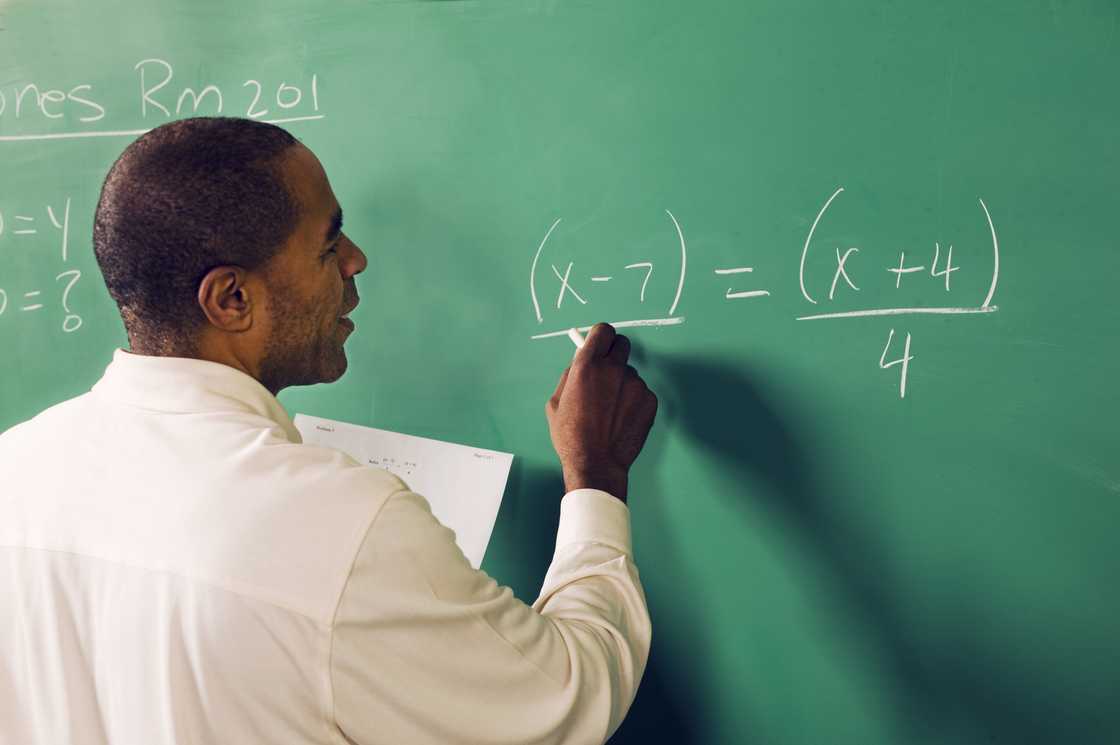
{"x": 600, "y": 414}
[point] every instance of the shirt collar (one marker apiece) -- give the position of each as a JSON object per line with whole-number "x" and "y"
{"x": 187, "y": 385}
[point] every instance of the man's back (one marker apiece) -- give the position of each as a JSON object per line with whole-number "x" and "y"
{"x": 177, "y": 567}
{"x": 148, "y": 538}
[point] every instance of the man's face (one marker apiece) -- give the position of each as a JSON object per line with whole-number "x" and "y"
{"x": 310, "y": 285}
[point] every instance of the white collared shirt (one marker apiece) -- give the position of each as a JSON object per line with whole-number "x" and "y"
{"x": 177, "y": 567}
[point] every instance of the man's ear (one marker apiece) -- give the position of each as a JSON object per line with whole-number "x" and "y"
{"x": 225, "y": 298}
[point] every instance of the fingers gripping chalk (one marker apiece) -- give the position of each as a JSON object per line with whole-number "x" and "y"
{"x": 597, "y": 343}
{"x": 576, "y": 337}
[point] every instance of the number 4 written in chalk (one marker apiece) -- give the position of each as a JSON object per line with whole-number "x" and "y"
{"x": 904, "y": 360}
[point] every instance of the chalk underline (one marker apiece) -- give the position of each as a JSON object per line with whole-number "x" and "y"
{"x": 132, "y": 132}
{"x": 900, "y": 312}
{"x": 618, "y": 325}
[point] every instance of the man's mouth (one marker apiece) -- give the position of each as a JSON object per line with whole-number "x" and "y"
{"x": 346, "y": 316}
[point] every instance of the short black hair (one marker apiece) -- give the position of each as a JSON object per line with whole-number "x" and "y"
{"x": 180, "y": 200}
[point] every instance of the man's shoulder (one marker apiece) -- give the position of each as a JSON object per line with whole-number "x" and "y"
{"x": 293, "y": 520}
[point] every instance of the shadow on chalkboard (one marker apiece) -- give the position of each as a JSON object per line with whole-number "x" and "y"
{"x": 524, "y": 535}
{"x": 727, "y": 415}
{"x": 952, "y": 684}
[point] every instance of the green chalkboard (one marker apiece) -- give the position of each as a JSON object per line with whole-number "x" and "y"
{"x": 876, "y": 526}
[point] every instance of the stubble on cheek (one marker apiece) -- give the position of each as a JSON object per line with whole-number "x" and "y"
{"x": 305, "y": 343}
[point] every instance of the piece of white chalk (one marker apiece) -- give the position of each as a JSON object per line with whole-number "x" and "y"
{"x": 576, "y": 337}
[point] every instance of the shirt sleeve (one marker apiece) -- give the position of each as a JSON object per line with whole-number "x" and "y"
{"x": 427, "y": 649}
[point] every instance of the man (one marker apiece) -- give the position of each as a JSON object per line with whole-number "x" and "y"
{"x": 177, "y": 567}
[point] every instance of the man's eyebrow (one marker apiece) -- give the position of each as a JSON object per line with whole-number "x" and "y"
{"x": 336, "y": 226}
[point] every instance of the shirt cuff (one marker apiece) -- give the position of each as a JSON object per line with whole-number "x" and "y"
{"x": 594, "y": 516}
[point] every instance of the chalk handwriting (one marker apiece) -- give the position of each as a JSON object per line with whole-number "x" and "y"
{"x": 160, "y": 96}
{"x": 850, "y": 264}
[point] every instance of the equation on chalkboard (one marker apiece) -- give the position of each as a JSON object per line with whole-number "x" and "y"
{"x": 582, "y": 287}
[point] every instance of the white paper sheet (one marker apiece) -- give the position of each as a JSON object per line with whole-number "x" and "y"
{"x": 463, "y": 484}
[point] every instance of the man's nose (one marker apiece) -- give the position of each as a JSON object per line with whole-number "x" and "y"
{"x": 353, "y": 259}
